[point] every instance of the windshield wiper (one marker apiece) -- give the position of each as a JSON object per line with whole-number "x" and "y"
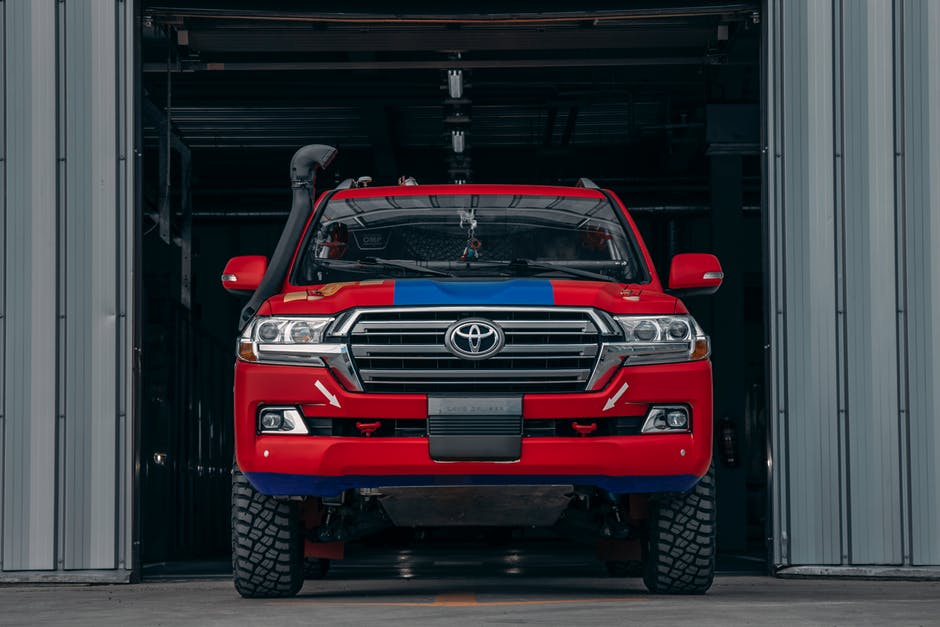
{"x": 375, "y": 262}
{"x": 528, "y": 264}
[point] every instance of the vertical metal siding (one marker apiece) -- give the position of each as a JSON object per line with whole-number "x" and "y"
{"x": 90, "y": 250}
{"x": 866, "y": 155}
{"x": 853, "y": 189}
{"x": 30, "y": 358}
{"x": 3, "y": 261}
{"x": 129, "y": 139}
{"x": 920, "y": 108}
{"x": 772, "y": 167}
{"x": 67, "y": 448}
{"x": 809, "y": 333}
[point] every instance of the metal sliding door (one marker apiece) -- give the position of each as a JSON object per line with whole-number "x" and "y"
{"x": 67, "y": 244}
{"x": 852, "y": 176}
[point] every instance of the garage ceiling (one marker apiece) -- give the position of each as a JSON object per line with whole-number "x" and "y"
{"x": 621, "y": 92}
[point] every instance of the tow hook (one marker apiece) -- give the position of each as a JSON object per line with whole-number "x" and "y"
{"x": 584, "y": 429}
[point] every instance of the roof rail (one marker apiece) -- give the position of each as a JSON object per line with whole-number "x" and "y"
{"x": 346, "y": 184}
{"x": 586, "y": 182}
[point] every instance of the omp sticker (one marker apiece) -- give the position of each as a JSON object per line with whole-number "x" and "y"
{"x": 371, "y": 241}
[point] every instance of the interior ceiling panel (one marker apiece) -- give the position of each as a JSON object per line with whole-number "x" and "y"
{"x": 620, "y": 91}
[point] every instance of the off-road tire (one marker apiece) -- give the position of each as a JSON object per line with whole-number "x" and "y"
{"x": 316, "y": 567}
{"x": 267, "y": 543}
{"x": 681, "y": 552}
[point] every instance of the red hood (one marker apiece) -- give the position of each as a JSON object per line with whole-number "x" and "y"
{"x": 611, "y": 297}
{"x": 615, "y": 298}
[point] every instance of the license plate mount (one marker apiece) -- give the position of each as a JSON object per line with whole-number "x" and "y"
{"x": 475, "y": 428}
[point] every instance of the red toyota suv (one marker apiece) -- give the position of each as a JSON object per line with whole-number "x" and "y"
{"x": 424, "y": 356}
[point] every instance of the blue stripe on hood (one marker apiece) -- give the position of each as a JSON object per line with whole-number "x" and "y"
{"x": 511, "y": 292}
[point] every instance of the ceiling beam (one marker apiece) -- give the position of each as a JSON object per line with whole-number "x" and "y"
{"x": 479, "y": 13}
{"x": 312, "y": 66}
{"x": 241, "y": 40}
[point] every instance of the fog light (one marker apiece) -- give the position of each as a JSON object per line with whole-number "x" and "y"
{"x": 666, "y": 419}
{"x": 677, "y": 418}
{"x": 271, "y": 420}
{"x": 281, "y": 420}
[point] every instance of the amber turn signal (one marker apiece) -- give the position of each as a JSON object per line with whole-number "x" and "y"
{"x": 246, "y": 350}
{"x": 701, "y": 350}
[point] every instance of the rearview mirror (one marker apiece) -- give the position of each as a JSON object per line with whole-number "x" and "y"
{"x": 242, "y": 275}
{"x": 695, "y": 274}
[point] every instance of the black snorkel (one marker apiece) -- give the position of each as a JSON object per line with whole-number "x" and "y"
{"x": 303, "y": 175}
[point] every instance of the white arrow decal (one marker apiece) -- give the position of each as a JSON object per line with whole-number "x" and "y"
{"x": 613, "y": 399}
{"x": 333, "y": 400}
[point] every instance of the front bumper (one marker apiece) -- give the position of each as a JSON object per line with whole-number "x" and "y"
{"x": 296, "y": 465}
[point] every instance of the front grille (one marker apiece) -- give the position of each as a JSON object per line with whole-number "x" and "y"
{"x": 546, "y": 350}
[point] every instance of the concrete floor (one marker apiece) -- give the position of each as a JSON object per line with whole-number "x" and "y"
{"x": 476, "y": 585}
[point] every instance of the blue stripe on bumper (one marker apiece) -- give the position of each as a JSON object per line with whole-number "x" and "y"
{"x": 277, "y": 484}
{"x": 511, "y": 292}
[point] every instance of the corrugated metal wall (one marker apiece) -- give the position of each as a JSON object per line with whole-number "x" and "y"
{"x": 853, "y": 198}
{"x": 67, "y": 198}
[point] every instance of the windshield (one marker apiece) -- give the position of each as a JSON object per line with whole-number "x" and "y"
{"x": 478, "y": 235}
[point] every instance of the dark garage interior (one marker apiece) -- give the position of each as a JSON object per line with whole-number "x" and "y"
{"x": 659, "y": 103}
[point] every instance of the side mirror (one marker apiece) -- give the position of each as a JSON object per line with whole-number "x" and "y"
{"x": 242, "y": 275}
{"x": 694, "y": 274}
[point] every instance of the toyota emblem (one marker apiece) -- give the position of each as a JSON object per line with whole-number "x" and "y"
{"x": 474, "y": 338}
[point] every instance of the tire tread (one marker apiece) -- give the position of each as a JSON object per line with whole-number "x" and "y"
{"x": 681, "y": 556}
{"x": 267, "y": 543}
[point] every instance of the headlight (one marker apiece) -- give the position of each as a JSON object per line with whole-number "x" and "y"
{"x": 662, "y": 339}
{"x": 288, "y": 330}
{"x": 284, "y": 340}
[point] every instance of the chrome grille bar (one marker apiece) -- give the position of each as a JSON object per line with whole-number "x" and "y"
{"x": 546, "y": 349}
{"x": 555, "y": 326}
{"x": 400, "y": 351}
{"x": 371, "y": 375}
